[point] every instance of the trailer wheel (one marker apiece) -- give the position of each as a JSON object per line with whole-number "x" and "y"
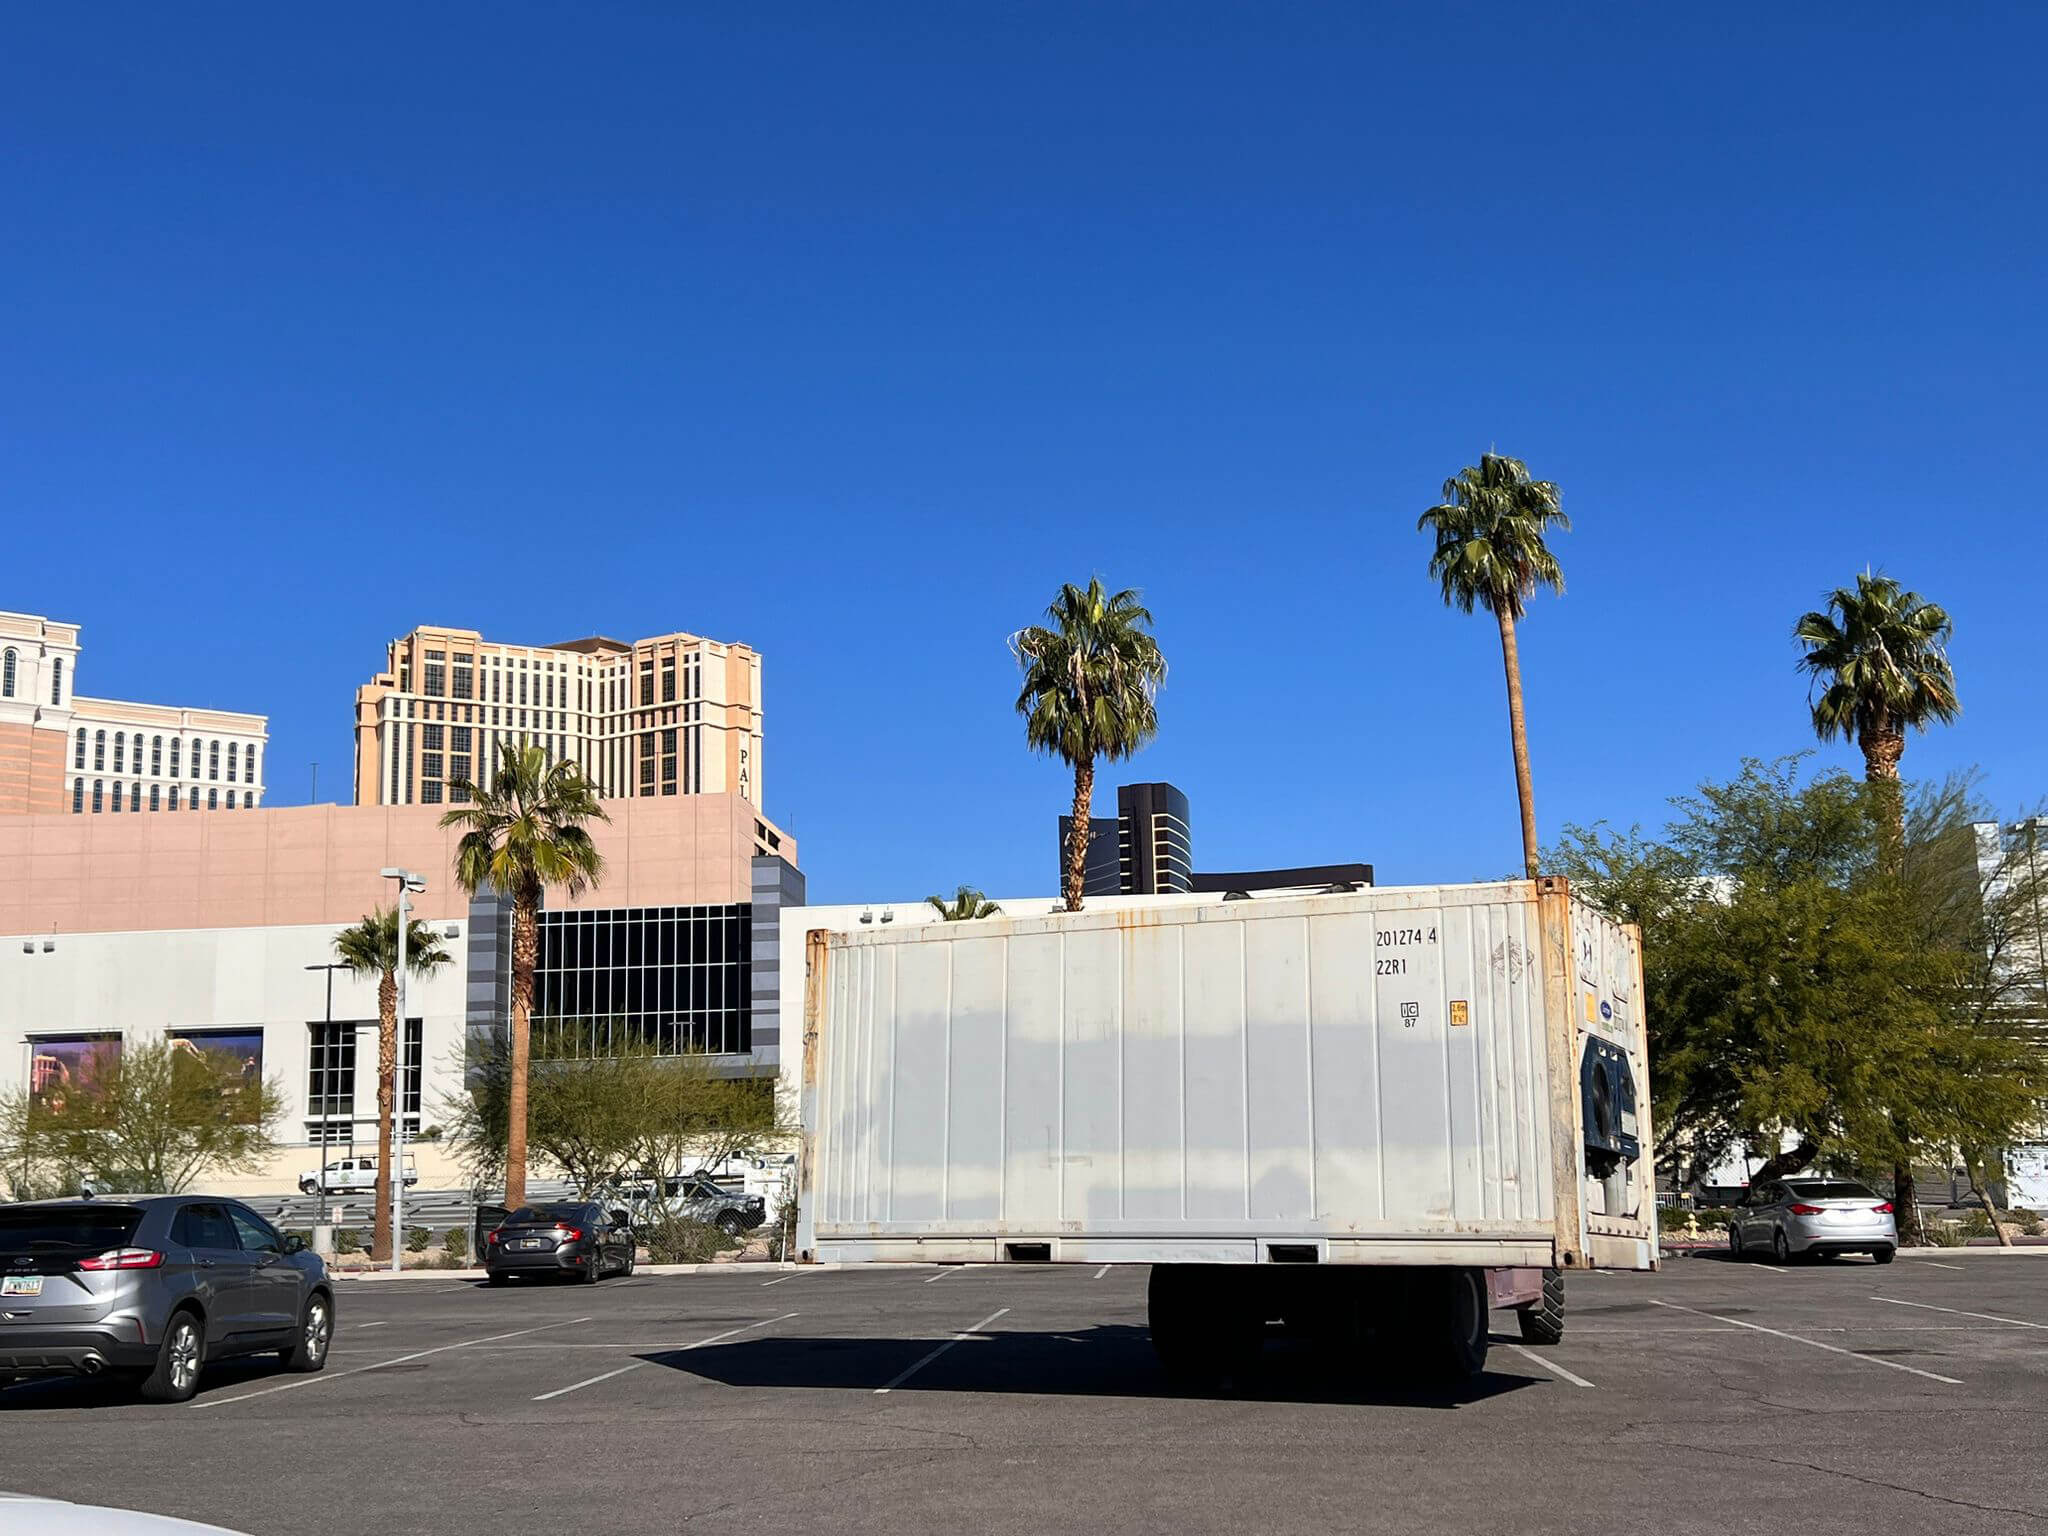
{"x": 1204, "y": 1322}
{"x": 1450, "y": 1315}
{"x": 1543, "y": 1321}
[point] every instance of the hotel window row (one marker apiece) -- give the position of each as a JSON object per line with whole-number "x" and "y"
{"x": 242, "y": 761}
{"x": 129, "y": 797}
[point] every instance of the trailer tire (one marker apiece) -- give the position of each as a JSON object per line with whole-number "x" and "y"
{"x": 1449, "y": 1313}
{"x": 1543, "y": 1321}
{"x": 1204, "y": 1322}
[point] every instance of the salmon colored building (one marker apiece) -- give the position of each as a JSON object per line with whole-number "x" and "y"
{"x": 218, "y": 932}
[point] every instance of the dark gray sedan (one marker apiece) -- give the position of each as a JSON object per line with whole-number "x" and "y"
{"x": 152, "y": 1287}
{"x": 574, "y": 1238}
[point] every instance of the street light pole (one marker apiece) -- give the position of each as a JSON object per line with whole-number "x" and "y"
{"x": 408, "y": 882}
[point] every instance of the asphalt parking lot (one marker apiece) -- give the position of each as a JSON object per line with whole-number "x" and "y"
{"x": 1715, "y": 1395}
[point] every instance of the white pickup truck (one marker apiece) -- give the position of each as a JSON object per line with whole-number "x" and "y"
{"x": 351, "y": 1173}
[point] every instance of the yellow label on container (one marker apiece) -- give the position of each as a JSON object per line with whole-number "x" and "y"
{"x": 1461, "y": 1013}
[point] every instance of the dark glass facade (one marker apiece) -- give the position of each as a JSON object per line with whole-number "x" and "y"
{"x": 677, "y": 977}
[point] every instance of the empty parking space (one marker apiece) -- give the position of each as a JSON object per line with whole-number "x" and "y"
{"x": 908, "y": 1397}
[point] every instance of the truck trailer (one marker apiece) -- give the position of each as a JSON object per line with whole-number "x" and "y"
{"x": 1370, "y": 1115}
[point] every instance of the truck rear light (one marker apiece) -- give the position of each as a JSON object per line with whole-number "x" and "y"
{"x": 1884, "y": 1208}
{"x": 1807, "y": 1210}
{"x": 124, "y": 1258}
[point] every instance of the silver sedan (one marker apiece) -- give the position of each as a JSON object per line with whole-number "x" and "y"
{"x": 1814, "y": 1217}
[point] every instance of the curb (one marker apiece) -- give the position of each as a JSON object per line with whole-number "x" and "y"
{"x": 390, "y": 1277}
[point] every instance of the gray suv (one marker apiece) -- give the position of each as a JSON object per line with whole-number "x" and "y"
{"x": 152, "y": 1287}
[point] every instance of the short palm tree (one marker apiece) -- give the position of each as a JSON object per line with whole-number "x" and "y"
{"x": 1878, "y": 658}
{"x": 1490, "y": 553}
{"x": 370, "y": 948}
{"x": 1091, "y": 685}
{"x": 968, "y": 905}
{"x": 524, "y": 831}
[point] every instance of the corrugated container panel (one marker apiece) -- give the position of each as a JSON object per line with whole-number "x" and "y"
{"x": 1372, "y": 1064}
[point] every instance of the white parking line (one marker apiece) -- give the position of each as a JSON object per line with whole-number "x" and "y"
{"x": 790, "y": 1276}
{"x": 385, "y": 1324}
{"x": 685, "y": 1349}
{"x": 314, "y": 1381}
{"x": 1937, "y": 1264}
{"x": 1833, "y": 1349}
{"x": 968, "y": 1333}
{"x": 1550, "y": 1365}
{"x": 1102, "y": 1271}
{"x": 943, "y": 1273}
{"x": 1989, "y": 1317}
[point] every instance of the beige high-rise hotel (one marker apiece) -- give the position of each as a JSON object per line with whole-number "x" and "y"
{"x": 673, "y": 715}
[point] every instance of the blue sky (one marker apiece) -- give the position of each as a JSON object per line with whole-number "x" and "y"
{"x": 851, "y": 331}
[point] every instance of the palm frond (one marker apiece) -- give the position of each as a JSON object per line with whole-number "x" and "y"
{"x": 1490, "y": 530}
{"x": 1877, "y": 656}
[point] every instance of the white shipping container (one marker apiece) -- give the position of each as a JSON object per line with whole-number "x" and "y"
{"x": 1445, "y": 1076}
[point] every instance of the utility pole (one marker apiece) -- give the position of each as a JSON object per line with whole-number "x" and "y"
{"x": 314, "y": 798}
{"x": 408, "y": 882}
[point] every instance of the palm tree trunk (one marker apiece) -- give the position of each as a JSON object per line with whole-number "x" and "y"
{"x": 1883, "y": 746}
{"x": 387, "y": 1071}
{"x": 1077, "y": 839}
{"x": 1511, "y": 658}
{"x": 525, "y": 951}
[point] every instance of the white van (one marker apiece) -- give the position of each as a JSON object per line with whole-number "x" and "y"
{"x": 351, "y": 1173}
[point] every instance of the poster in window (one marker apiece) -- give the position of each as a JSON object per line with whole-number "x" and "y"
{"x": 232, "y": 1058}
{"x": 65, "y": 1068}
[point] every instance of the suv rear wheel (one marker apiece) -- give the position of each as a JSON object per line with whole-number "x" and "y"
{"x": 178, "y": 1359}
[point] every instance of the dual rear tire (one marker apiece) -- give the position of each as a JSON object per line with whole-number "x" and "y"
{"x": 1543, "y": 1320}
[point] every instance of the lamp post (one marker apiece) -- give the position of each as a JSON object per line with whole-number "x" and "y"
{"x": 320, "y": 1222}
{"x": 408, "y": 882}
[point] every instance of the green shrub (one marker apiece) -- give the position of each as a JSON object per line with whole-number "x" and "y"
{"x": 348, "y": 1240}
{"x": 1946, "y": 1234}
{"x": 1976, "y": 1224}
{"x": 2029, "y": 1222}
{"x": 678, "y": 1240}
{"x": 417, "y": 1239}
{"x": 456, "y": 1241}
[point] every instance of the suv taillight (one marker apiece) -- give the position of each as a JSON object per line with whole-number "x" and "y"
{"x": 1807, "y": 1210}
{"x": 124, "y": 1258}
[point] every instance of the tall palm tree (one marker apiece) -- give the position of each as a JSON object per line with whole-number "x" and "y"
{"x": 1091, "y": 684}
{"x": 1490, "y": 553}
{"x": 525, "y": 832}
{"x": 1878, "y": 659}
{"x": 370, "y": 948}
{"x": 968, "y": 905}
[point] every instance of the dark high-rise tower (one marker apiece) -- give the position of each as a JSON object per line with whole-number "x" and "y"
{"x": 1146, "y": 851}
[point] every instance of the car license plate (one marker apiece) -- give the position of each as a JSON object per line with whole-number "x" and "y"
{"x": 533, "y": 1242}
{"x": 21, "y": 1285}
